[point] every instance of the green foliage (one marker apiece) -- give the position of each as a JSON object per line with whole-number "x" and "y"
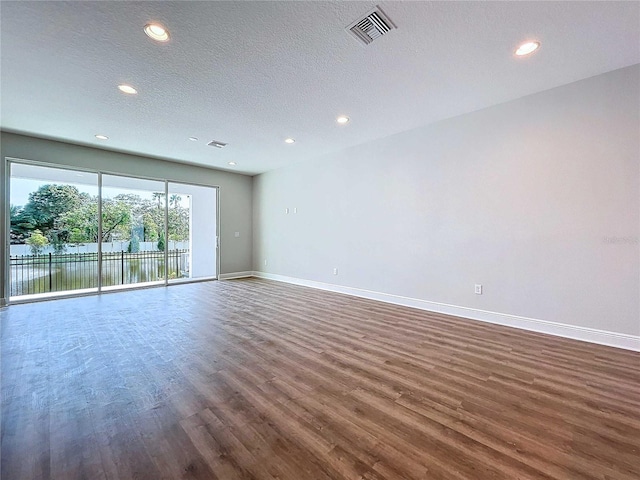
{"x": 77, "y": 237}
{"x": 44, "y": 207}
{"x": 66, "y": 216}
{"x": 116, "y": 218}
{"x": 37, "y": 241}
{"x": 20, "y": 227}
{"x": 58, "y": 239}
{"x": 48, "y": 203}
{"x": 161, "y": 243}
{"x": 178, "y": 224}
{"x": 150, "y": 228}
{"x": 82, "y": 221}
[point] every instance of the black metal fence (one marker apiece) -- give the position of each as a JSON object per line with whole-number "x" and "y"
{"x": 31, "y": 274}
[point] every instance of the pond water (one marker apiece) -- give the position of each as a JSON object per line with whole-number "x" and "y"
{"x": 81, "y": 273}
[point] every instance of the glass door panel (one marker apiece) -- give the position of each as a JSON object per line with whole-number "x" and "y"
{"x": 133, "y": 225}
{"x": 53, "y": 231}
{"x": 192, "y": 232}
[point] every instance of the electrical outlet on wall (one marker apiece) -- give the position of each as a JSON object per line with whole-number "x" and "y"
{"x": 478, "y": 289}
{"x": 265, "y": 263}
{"x": 236, "y": 234}
{"x": 335, "y": 271}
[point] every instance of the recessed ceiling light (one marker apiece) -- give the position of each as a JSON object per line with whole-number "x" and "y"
{"x": 527, "y": 48}
{"x": 232, "y": 163}
{"x": 102, "y": 137}
{"x": 289, "y": 140}
{"x": 193, "y": 139}
{"x": 156, "y": 32}
{"x": 127, "y": 89}
{"x": 342, "y": 119}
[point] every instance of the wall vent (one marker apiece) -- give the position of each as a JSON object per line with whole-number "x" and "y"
{"x": 372, "y": 26}
{"x": 217, "y": 144}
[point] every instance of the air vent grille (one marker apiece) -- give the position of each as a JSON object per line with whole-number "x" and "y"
{"x": 374, "y": 25}
{"x": 217, "y": 144}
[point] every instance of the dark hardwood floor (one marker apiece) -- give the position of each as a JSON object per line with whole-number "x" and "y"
{"x": 251, "y": 379}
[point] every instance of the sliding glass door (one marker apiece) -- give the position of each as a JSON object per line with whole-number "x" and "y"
{"x": 74, "y": 231}
{"x": 133, "y": 220}
{"x": 53, "y": 231}
{"x": 192, "y": 232}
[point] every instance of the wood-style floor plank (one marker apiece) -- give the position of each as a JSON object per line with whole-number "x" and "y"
{"x": 252, "y": 379}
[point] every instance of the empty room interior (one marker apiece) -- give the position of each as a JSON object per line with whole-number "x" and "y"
{"x": 320, "y": 240}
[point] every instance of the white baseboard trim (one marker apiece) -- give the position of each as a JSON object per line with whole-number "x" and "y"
{"x": 229, "y": 276}
{"x": 592, "y": 335}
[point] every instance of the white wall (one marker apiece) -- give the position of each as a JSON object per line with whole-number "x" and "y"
{"x": 537, "y": 199}
{"x": 235, "y": 189}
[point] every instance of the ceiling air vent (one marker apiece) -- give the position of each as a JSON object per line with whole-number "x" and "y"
{"x": 372, "y": 26}
{"x": 217, "y": 144}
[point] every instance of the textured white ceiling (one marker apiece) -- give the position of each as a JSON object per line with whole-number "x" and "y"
{"x": 253, "y": 73}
